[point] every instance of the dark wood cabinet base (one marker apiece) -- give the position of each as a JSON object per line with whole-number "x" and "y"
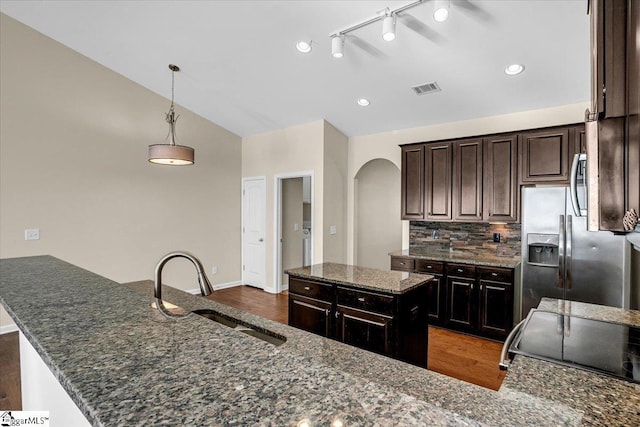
{"x": 389, "y": 324}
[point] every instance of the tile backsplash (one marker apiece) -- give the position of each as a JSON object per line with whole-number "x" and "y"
{"x": 473, "y": 237}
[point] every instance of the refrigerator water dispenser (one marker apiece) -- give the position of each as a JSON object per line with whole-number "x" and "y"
{"x": 543, "y": 249}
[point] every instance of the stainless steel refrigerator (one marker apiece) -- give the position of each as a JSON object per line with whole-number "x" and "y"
{"x": 561, "y": 259}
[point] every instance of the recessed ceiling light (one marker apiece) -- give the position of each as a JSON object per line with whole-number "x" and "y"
{"x": 513, "y": 69}
{"x": 363, "y": 102}
{"x": 303, "y": 47}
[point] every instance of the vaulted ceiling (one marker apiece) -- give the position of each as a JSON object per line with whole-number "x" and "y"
{"x": 241, "y": 70}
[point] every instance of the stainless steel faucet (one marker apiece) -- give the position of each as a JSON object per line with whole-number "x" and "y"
{"x": 203, "y": 281}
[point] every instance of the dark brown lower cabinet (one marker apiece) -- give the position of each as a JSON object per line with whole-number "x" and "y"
{"x": 310, "y": 315}
{"x": 460, "y": 307}
{"x": 477, "y": 300}
{"x": 390, "y": 324}
{"x": 364, "y": 329}
{"x": 496, "y": 308}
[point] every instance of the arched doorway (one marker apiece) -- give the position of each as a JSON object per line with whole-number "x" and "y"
{"x": 377, "y": 213}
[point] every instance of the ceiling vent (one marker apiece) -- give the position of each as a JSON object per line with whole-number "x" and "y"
{"x": 426, "y": 88}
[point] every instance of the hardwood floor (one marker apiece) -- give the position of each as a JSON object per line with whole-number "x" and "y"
{"x": 10, "y": 397}
{"x": 461, "y": 356}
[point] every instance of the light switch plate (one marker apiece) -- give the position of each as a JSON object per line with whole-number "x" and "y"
{"x": 32, "y": 234}
{"x": 332, "y": 229}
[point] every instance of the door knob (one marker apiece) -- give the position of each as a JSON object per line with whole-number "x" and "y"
{"x": 261, "y": 240}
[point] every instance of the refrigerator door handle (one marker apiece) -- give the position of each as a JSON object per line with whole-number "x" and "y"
{"x": 568, "y": 251}
{"x": 561, "y": 253}
{"x": 573, "y": 189}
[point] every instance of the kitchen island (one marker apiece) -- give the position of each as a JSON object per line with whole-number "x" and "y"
{"x": 125, "y": 364}
{"x": 378, "y": 310}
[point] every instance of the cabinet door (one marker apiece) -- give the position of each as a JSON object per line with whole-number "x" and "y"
{"x": 310, "y": 315}
{"x": 412, "y": 182}
{"x": 460, "y": 303}
{"x": 496, "y": 308}
{"x": 365, "y": 330}
{"x": 438, "y": 181}
{"x": 500, "y": 192}
{"x": 544, "y": 156}
{"x": 467, "y": 180}
{"x": 436, "y": 300}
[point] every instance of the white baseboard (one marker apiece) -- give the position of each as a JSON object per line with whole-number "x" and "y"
{"x": 217, "y": 287}
{"x": 8, "y": 329}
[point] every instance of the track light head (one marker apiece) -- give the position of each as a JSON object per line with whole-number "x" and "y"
{"x": 441, "y": 10}
{"x": 337, "y": 46}
{"x": 389, "y": 27}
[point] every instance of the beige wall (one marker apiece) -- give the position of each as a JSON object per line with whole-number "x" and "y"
{"x": 73, "y": 145}
{"x": 316, "y": 148}
{"x": 335, "y": 194}
{"x": 291, "y": 215}
{"x": 378, "y": 224}
{"x": 291, "y": 150}
{"x": 363, "y": 149}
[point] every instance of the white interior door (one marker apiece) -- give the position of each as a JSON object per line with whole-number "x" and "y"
{"x": 253, "y": 231}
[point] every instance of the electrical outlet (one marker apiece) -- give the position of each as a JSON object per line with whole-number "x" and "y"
{"x": 214, "y": 269}
{"x": 496, "y": 237}
{"x": 32, "y": 234}
{"x": 296, "y": 227}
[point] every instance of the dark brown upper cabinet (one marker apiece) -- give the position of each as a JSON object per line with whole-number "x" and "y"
{"x": 437, "y": 182}
{"x": 544, "y": 156}
{"x": 467, "y": 180}
{"x": 500, "y": 193}
{"x": 413, "y": 182}
{"x": 608, "y": 57}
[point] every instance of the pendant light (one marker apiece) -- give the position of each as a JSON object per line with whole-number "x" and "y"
{"x": 171, "y": 154}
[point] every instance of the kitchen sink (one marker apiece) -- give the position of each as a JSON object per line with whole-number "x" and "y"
{"x": 229, "y": 322}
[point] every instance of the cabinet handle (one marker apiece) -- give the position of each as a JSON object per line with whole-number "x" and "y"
{"x": 460, "y": 270}
{"x": 472, "y": 286}
{"x": 307, "y": 288}
{"x": 428, "y": 266}
{"x": 401, "y": 263}
{"x": 361, "y": 299}
{"x": 481, "y": 287}
{"x": 494, "y": 274}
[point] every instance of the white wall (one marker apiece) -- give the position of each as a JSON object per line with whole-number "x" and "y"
{"x": 73, "y": 163}
{"x": 363, "y": 149}
{"x": 378, "y": 224}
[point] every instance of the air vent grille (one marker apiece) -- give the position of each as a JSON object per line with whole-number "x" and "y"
{"x": 426, "y": 88}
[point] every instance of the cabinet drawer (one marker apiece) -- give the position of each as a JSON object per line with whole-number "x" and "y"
{"x": 365, "y": 300}
{"x": 425, "y": 266}
{"x": 311, "y": 289}
{"x": 461, "y": 270}
{"x": 496, "y": 274}
{"x": 400, "y": 263}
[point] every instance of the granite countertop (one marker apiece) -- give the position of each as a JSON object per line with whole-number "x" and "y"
{"x": 395, "y": 282}
{"x": 125, "y": 364}
{"x": 459, "y": 256}
{"x": 602, "y": 401}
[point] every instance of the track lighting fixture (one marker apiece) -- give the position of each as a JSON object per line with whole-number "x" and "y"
{"x": 389, "y": 27}
{"x": 171, "y": 154}
{"x": 337, "y": 45}
{"x": 388, "y": 18}
{"x": 441, "y": 10}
